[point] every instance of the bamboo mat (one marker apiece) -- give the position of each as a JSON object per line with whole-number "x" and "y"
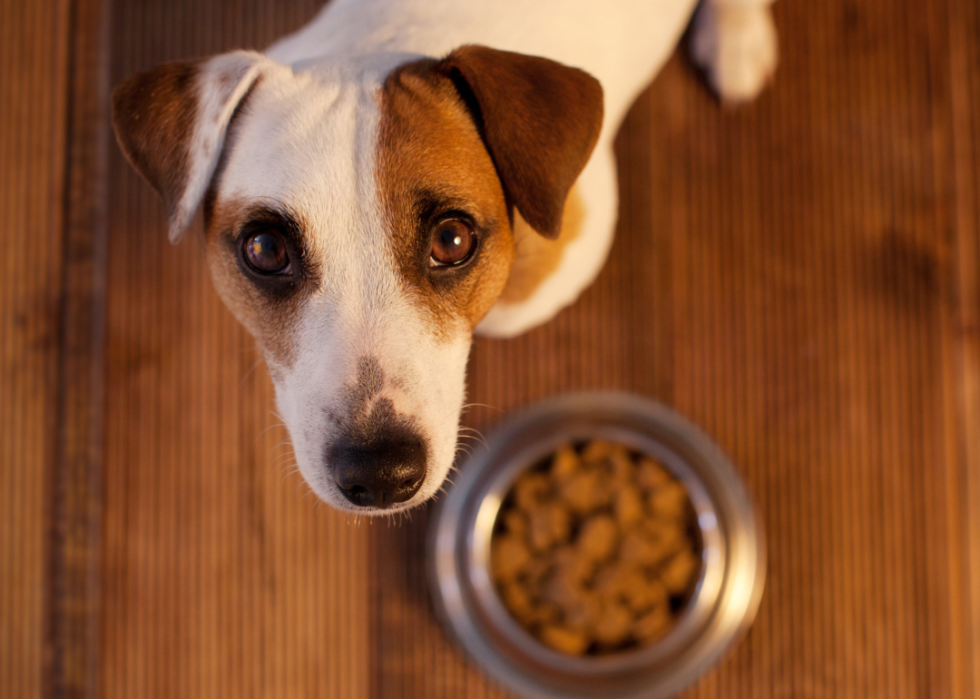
{"x": 798, "y": 276}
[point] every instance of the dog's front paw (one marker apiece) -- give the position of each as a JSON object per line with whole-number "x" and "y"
{"x": 737, "y": 47}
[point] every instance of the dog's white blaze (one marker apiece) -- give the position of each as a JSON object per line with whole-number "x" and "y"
{"x": 309, "y": 143}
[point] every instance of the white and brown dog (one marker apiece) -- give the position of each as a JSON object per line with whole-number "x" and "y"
{"x": 399, "y": 174}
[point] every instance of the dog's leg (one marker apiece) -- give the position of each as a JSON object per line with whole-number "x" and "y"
{"x": 734, "y": 41}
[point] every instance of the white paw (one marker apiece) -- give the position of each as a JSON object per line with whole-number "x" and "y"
{"x": 737, "y": 47}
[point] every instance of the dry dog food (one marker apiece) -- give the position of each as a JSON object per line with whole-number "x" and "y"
{"x": 596, "y": 550}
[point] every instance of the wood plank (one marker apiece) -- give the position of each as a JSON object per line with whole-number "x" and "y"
{"x": 964, "y": 28}
{"x": 33, "y": 92}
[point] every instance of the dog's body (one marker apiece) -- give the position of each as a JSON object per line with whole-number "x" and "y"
{"x": 343, "y": 173}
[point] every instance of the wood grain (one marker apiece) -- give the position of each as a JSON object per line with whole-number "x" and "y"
{"x": 33, "y": 96}
{"x": 964, "y": 328}
{"x": 799, "y": 276}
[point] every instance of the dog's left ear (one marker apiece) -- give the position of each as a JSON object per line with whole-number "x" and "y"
{"x": 171, "y": 122}
{"x": 539, "y": 120}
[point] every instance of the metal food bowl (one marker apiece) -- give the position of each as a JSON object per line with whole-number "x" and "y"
{"x": 720, "y": 609}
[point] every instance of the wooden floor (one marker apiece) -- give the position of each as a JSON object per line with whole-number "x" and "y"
{"x": 801, "y": 277}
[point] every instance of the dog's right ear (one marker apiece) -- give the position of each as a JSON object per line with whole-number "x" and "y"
{"x": 171, "y": 122}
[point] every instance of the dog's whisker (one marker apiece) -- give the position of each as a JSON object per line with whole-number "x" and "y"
{"x": 469, "y": 442}
{"x": 476, "y": 435}
{"x": 287, "y": 470}
{"x": 288, "y": 442}
{"x": 285, "y": 455}
{"x": 309, "y": 490}
{"x": 290, "y": 449}
{"x": 284, "y": 461}
{"x": 270, "y": 427}
{"x": 249, "y": 373}
{"x": 288, "y": 461}
{"x": 287, "y": 464}
{"x": 280, "y": 443}
{"x": 482, "y": 405}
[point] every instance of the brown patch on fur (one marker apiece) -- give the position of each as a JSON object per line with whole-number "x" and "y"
{"x": 481, "y": 131}
{"x": 537, "y": 257}
{"x": 153, "y": 115}
{"x": 539, "y": 119}
{"x": 431, "y": 163}
{"x": 269, "y": 308}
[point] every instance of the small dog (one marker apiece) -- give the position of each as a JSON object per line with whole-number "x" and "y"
{"x": 399, "y": 174}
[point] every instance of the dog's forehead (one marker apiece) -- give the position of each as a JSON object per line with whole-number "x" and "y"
{"x": 306, "y": 137}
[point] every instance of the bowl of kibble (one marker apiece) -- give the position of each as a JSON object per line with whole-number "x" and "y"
{"x": 599, "y": 546}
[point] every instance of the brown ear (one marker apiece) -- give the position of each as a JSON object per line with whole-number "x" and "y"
{"x": 171, "y": 121}
{"x": 539, "y": 120}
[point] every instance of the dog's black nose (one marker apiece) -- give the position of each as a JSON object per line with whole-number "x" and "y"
{"x": 381, "y": 472}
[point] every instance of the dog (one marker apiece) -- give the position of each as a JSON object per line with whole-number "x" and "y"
{"x": 399, "y": 174}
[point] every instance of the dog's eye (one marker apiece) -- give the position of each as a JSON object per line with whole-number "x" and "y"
{"x": 266, "y": 252}
{"x": 453, "y": 242}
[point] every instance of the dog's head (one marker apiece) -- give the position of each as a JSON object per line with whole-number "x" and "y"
{"x": 358, "y": 221}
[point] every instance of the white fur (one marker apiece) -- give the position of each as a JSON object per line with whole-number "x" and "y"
{"x": 309, "y": 143}
{"x": 735, "y": 42}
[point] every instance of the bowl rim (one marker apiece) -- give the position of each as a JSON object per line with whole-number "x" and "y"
{"x": 731, "y": 579}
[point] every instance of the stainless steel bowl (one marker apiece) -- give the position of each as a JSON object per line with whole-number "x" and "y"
{"x": 724, "y": 600}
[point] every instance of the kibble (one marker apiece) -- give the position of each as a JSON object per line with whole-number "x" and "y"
{"x": 597, "y": 538}
{"x": 564, "y": 639}
{"x": 595, "y": 550}
{"x": 509, "y": 556}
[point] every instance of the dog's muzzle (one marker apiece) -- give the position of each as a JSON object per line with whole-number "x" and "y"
{"x": 381, "y": 472}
